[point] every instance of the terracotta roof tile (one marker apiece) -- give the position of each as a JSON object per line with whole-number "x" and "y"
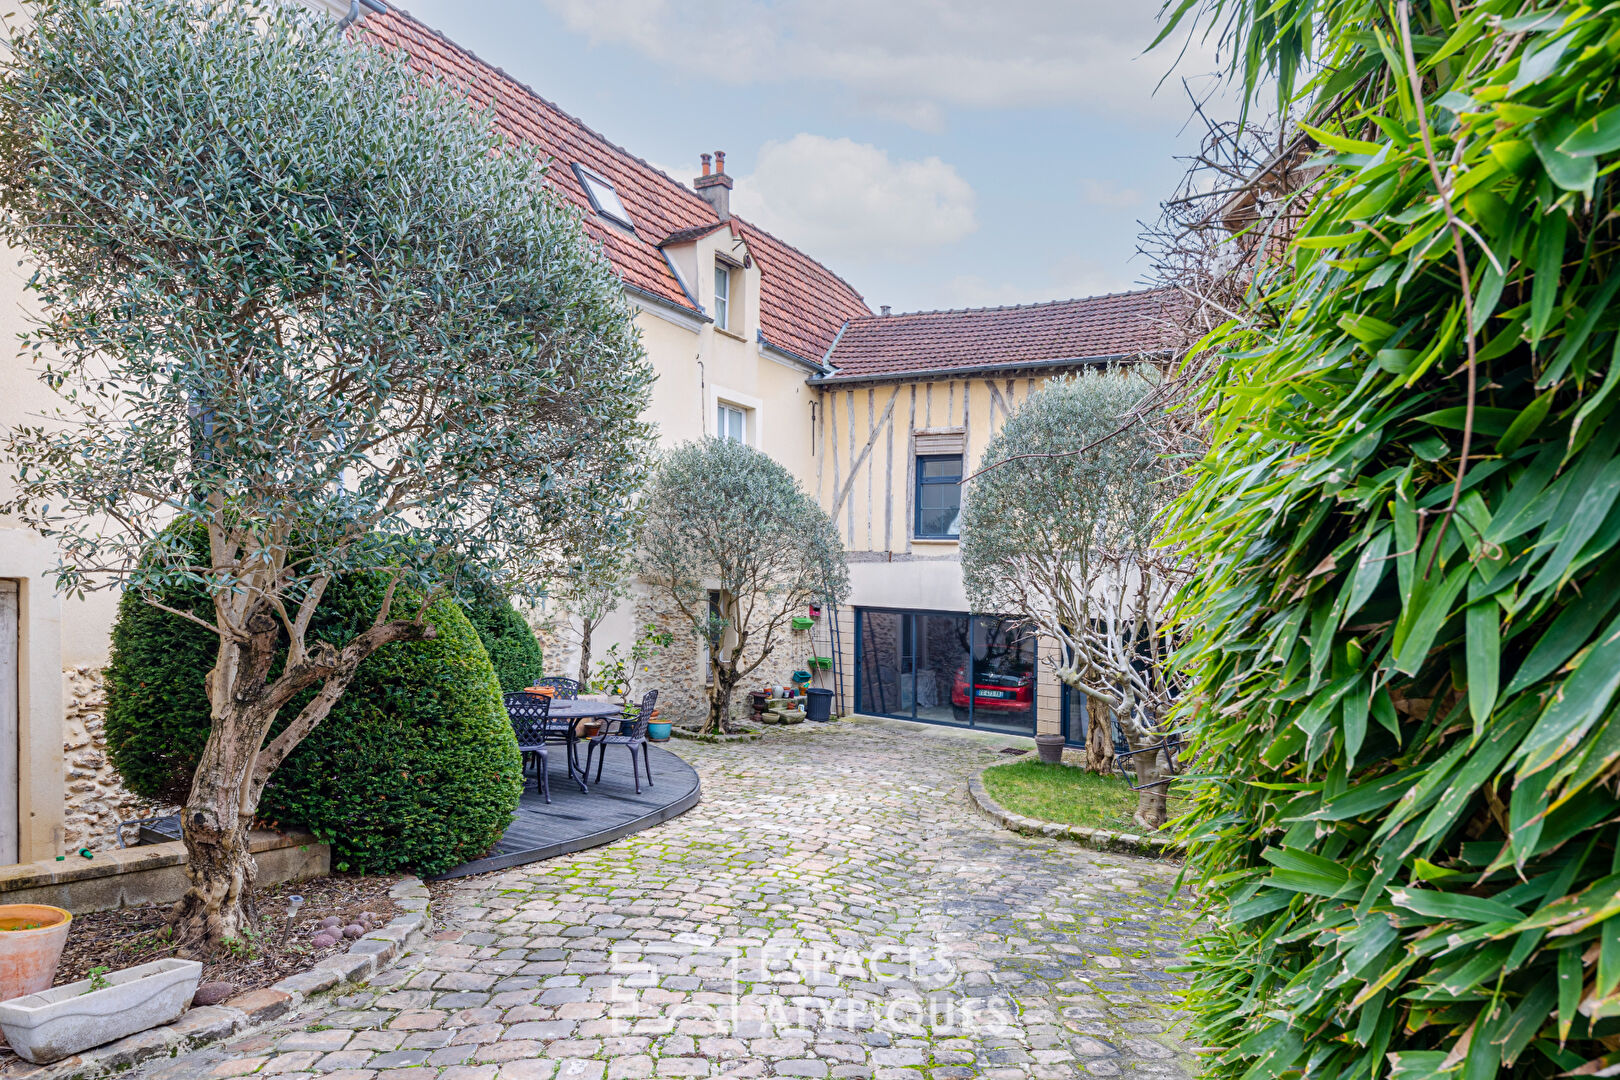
{"x": 1089, "y": 328}
{"x": 803, "y": 304}
{"x": 696, "y": 232}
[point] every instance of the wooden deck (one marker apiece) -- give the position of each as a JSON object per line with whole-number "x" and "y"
{"x": 576, "y": 820}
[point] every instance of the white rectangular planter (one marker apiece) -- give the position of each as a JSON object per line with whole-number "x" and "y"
{"x": 64, "y": 1020}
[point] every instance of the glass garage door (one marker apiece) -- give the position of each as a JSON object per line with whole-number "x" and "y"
{"x": 946, "y": 668}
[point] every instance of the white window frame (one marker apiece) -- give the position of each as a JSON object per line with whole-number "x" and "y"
{"x": 722, "y": 296}
{"x": 725, "y": 414}
{"x": 750, "y": 406}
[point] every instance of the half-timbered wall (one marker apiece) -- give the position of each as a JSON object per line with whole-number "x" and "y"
{"x": 866, "y": 443}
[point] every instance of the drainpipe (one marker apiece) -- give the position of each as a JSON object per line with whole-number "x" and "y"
{"x": 354, "y": 13}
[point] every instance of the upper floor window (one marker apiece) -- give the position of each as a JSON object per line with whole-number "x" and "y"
{"x": 722, "y": 295}
{"x": 732, "y": 423}
{"x": 939, "y": 496}
{"x": 604, "y": 198}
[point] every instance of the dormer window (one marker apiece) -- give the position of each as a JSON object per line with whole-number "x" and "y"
{"x": 727, "y": 294}
{"x": 722, "y": 296}
{"x": 604, "y": 198}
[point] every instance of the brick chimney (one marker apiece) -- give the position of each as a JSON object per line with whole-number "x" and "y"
{"x": 715, "y": 187}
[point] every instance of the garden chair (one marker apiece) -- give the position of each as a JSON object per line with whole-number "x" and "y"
{"x": 529, "y": 714}
{"x": 632, "y": 733}
{"x": 565, "y": 688}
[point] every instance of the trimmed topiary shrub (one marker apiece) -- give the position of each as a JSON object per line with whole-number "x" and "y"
{"x": 510, "y": 643}
{"x": 415, "y": 768}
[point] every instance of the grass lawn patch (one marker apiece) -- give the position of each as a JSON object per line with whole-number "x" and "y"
{"x": 1063, "y": 793}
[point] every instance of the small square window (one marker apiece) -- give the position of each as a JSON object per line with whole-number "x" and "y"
{"x": 732, "y": 423}
{"x": 604, "y": 198}
{"x": 939, "y": 496}
{"x": 722, "y": 296}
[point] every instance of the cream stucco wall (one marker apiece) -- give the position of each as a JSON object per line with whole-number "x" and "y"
{"x": 865, "y": 477}
{"x": 699, "y": 366}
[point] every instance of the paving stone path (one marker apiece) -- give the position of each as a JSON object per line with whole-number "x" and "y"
{"x": 832, "y": 908}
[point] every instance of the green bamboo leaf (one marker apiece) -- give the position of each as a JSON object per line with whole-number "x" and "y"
{"x": 1575, "y": 342}
{"x": 1577, "y": 703}
{"x": 1483, "y": 629}
{"x": 1525, "y": 424}
{"x": 1371, "y": 565}
{"x": 1569, "y": 173}
{"x": 1458, "y": 906}
{"x": 1415, "y": 633}
{"x": 1500, "y": 740}
{"x": 1599, "y": 135}
{"x": 1531, "y": 1014}
{"x": 1583, "y": 523}
{"x": 1569, "y": 989}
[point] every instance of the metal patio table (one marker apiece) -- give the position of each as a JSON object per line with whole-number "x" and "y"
{"x": 571, "y": 710}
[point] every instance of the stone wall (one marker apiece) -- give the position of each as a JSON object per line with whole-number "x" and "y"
{"x": 677, "y": 673}
{"x": 95, "y": 801}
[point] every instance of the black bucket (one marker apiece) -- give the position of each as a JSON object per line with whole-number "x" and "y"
{"x": 818, "y": 704}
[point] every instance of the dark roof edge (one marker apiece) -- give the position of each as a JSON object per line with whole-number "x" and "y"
{"x": 836, "y": 379}
{"x": 788, "y": 354}
{"x": 663, "y": 301}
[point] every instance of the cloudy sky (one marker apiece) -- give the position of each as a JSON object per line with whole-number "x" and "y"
{"x": 936, "y": 153}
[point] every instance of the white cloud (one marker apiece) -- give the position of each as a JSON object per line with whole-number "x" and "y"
{"x": 1108, "y": 194}
{"x": 844, "y": 199}
{"x": 911, "y": 59}
{"x": 1067, "y": 278}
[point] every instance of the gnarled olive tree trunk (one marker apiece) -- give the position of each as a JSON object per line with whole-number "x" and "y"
{"x": 1099, "y": 737}
{"x": 236, "y": 763}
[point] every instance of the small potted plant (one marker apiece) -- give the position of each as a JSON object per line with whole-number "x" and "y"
{"x": 615, "y": 673}
{"x": 31, "y": 940}
{"x": 56, "y": 1023}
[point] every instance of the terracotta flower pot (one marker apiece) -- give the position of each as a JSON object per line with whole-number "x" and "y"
{"x": 1050, "y": 748}
{"x": 31, "y": 940}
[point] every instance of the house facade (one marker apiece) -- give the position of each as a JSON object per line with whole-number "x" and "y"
{"x": 879, "y": 415}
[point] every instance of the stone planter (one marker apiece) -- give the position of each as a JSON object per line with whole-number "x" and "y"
{"x": 31, "y": 940}
{"x": 1050, "y": 747}
{"x": 57, "y": 1023}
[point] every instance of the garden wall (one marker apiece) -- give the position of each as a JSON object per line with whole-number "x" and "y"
{"x": 94, "y": 799}
{"x": 677, "y": 672}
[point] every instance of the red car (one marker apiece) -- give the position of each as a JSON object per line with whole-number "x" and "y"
{"x": 992, "y": 693}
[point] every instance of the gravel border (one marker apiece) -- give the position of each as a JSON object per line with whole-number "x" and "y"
{"x": 368, "y": 956}
{"x": 1101, "y": 839}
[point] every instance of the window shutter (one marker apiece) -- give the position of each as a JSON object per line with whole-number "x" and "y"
{"x": 940, "y": 441}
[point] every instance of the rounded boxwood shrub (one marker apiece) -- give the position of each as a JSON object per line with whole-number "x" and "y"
{"x": 415, "y": 767}
{"x": 510, "y": 643}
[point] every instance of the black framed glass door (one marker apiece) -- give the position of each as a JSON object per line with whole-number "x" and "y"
{"x": 946, "y": 668}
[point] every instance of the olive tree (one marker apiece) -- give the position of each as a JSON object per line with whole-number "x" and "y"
{"x": 1058, "y": 527}
{"x": 723, "y": 517}
{"x": 298, "y": 295}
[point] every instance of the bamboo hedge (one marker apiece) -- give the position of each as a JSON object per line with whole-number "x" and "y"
{"x": 1403, "y": 638}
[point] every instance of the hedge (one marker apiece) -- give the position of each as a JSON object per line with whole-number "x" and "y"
{"x": 415, "y": 768}
{"x": 510, "y": 643}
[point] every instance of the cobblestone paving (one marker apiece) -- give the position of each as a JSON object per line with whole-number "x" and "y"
{"x": 832, "y": 908}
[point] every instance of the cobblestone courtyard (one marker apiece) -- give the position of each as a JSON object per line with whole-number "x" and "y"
{"x": 832, "y": 908}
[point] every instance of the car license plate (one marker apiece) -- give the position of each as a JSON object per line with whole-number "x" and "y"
{"x": 995, "y": 693}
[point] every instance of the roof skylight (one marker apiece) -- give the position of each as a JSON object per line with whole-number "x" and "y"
{"x": 603, "y": 196}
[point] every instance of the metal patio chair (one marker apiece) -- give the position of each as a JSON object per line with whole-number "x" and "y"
{"x": 633, "y": 734}
{"x": 530, "y": 715}
{"x": 565, "y": 687}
